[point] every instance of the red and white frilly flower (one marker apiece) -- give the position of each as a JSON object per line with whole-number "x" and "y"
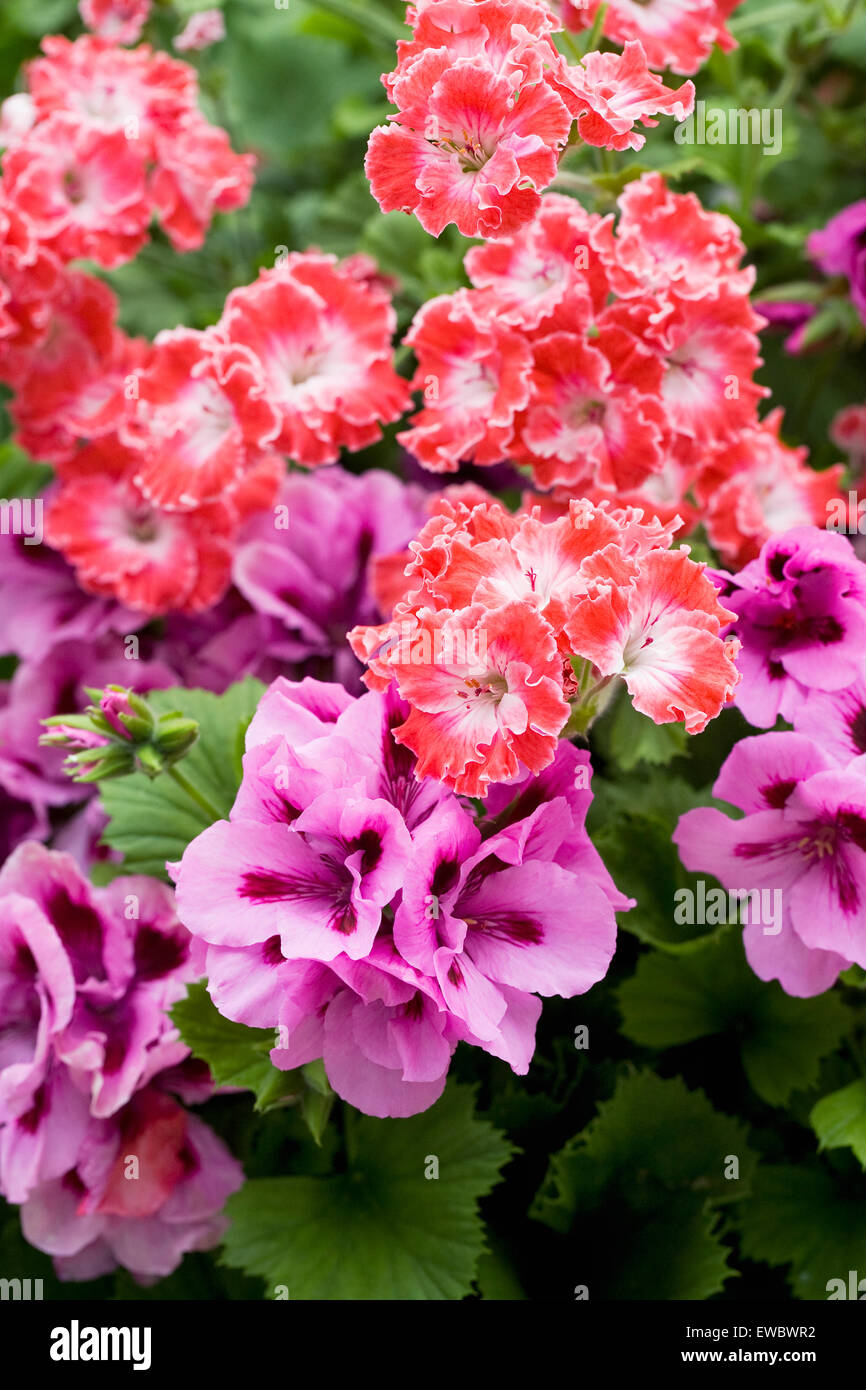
{"x": 497, "y": 608}
{"x": 321, "y": 334}
{"x": 675, "y": 34}
{"x": 485, "y": 107}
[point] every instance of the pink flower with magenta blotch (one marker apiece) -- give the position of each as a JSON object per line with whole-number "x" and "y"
{"x": 803, "y": 835}
{"x": 463, "y": 941}
{"x": 801, "y": 618}
{"x": 92, "y": 1218}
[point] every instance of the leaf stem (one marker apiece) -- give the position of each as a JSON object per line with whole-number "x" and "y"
{"x": 195, "y": 795}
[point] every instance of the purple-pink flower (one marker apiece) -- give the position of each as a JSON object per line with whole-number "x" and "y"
{"x": 372, "y": 919}
{"x": 801, "y": 609}
{"x": 803, "y": 836}
{"x": 840, "y": 249}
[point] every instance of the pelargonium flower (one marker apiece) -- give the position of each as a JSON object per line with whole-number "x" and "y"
{"x": 93, "y": 1217}
{"x": 307, "y": 565}
{"x": 675, "y": 34}
{"x": 119, "y": 20}
{"x": 464, "y": 932}
{"x": 323, "y": 339}
{"x": 474, "y": 373}
{"x": 754, "y": 486}
{"x": 668, "y": 241}
{"x": 536, "y": 269}
{"x": 840, "y": 249}
{"x": 197, "y": 174}
{"x": 495, "y": 606}
{"x": 479, "y": 127}
{"x": 152, "y": 560}
{"x": 202, "y": 29}
{"x": 803, "y": 834}
{"x": 848, "y": 432}
{"x": 125, "y": 116}
{"x": 126, "y": 959}
{"x": 609, "y": 93}
{"x": 801, "y": 617}
{"x": 201, "y": 419}
{"x": 656, "y": 623}
{"x": 83, "y": 190}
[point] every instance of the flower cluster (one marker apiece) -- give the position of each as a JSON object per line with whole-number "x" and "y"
{"x": 802, "y": 619}
{"x": 486, "y": 105}
{"x": 296, "y": 590}
{"x": 114, "y": 137}
{"x": 107, "y": 1163}
{"x": 615, "y": 362}
{"x": 372, "y": 920}
{"x": 163, "y": 450}
{"x": 675, "y": 34}
{"x": 499, "y": 611}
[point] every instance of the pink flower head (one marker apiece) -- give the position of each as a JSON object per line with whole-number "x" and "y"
{"x": 137, "y": 92}
{"x": 469, "y": 928}
{"x": 323, "y": 339}
{"x": 675, "y": 34}
{"x": 551, "y": 259}
{"x": 803, "y": 836}
{"x": 479, "y": 127}
{"x": 152, "y": 560}
{"x": 485, "y": 689}
{"x": 610, "y": 92}
{"x": 201, "y": 419}
{"x": 667, "y": 241}
{"x": 94, "y": 973}
{"x": 119, "y": 20}
{"x": 474, "y": 372}
{"x": 657, "y": 624}
{"x": 92, "y": 1218}
{"x": 801, "y": 617}
{"x": 197, "y": 174}
{"x": 202, "y": 29}
{"x": 755, "y": 486}
{"x": 848, "y": 433}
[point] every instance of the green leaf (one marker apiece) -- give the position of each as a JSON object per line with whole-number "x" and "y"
{"x": 151, "y": 822}
{"x": 635, "y": 739}
{"x": 631, "y": 825}
{"x": 19, "y": 475}
{"x": 236, "y": 1055}
{"x": 639, "y": 1187}
{"x": 382, "y": 1229}
{"x": 839, "y": 1120}
{"x": 781, "y": 1039}
{"x": 802, "y": 1217}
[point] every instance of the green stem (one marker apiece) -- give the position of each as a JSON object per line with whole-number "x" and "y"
{"x": 195, "y": 795}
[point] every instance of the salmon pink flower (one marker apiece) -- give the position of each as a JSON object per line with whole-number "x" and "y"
{"x": 610, "y": 92}
{"x": 200, "y": 420}
{"x": 152, "y": 560}
{"x": 119, "y": 20}
{"x": 323, "y": 339}
{"x": 675, "y": 34}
